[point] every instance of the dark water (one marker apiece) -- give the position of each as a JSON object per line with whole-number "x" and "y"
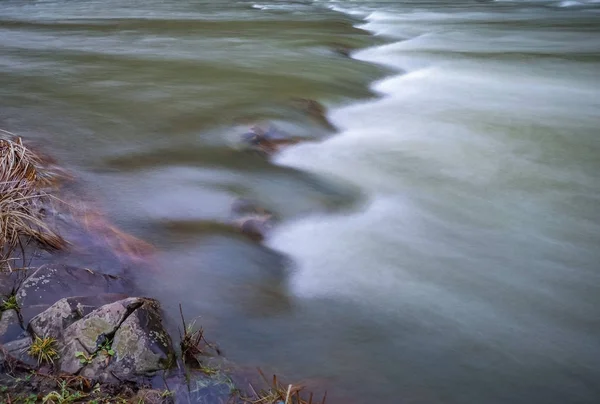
{"x": 441, "y": 246}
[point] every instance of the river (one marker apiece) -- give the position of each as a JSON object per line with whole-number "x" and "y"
{"x": 441, "y": 245}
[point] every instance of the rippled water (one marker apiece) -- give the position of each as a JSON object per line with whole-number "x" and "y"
{"x": 440, "y": 247}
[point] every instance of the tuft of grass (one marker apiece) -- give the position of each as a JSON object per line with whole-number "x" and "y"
{"x": 44, "y": 349}
{"x": 278, "y": 393}
{"x": 10, "y": 303}
{"x": 25, "y": 178}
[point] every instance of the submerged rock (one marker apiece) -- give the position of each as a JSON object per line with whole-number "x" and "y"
{"x": 252, "y": 220}
{"x": 256, "y": 227}
{"x": 314, "y": 110}
{"x": 268, "y": 141}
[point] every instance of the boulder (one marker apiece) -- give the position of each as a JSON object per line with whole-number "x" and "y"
{"x": 50, "y": 283}
{"x": 19, "y": 349}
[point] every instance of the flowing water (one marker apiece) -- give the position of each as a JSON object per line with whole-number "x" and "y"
{"x": 440, "y": 246}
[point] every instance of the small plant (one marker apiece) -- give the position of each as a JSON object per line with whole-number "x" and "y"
{"x": 10, "y": 303}
{"x": 65, "y": 396}
{"x": 84, "y": 358}
{"x": 106, "y": 348}
{"x": 30, "y": 399}
{"x": 43, "y": 349}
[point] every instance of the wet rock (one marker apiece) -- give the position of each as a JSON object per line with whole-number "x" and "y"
{"x": 10, "y": 281}
{"x": 251, "y": 219}
{"x": 54, "y": 320}
{"x": 10, "y": 327}
{"x": 342, "y": 50}
{"x": 50, "y": 283}
{"x": 141, "y": 344}
{"x": 18, "y": 349}
{"x": 268, "y": 141}
{"x": 99, "y": 370}
{"x": 313, "y": 109}
{"x": 256, "y": 227}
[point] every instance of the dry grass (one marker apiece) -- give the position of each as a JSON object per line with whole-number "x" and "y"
{"x": 25, "y": 179}
{"x": 279, "y": 393}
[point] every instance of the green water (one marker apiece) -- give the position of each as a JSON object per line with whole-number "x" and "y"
{"x": 438, "y": 246}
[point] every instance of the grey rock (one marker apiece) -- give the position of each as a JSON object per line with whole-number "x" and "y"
{"x": 10, "y": 327}
{"x": 18, "y": 349}
{"x": 10, "y": 281}
{"x": 59, "y": 316}
{"x": 99, "y": 370}
{"x": 68, "y": 361}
